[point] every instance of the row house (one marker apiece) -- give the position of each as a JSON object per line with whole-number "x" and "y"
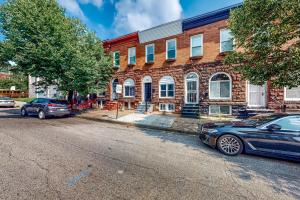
{"x": 177, "y": 67}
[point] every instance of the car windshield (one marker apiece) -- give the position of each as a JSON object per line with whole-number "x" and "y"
{"x": 261, "y": 119}
{"x": 57, "y": 101}
{"x": 5, "y": 98}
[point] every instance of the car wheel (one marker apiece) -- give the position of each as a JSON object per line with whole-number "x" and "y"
{"x": 23, "y": 112}
{"x": 41, "y": 114}
{"x": 230, "y": 145}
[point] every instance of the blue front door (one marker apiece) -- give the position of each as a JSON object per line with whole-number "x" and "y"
{"x": 148, "y": 92}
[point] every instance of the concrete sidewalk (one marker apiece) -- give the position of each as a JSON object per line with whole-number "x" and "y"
{"x": 153, "y": 121}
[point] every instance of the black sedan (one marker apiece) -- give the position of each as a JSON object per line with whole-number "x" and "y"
{"x": 276, "y": 135}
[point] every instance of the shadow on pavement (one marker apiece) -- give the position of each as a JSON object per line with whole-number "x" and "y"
{"x": 10, "y": 113}
{"x": 284, "y": 176}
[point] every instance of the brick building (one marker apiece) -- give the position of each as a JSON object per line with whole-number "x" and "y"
{"x": 177, "y": 67}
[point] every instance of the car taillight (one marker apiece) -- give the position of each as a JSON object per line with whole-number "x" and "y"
{"x": 51, "y": 105}
{"x": 69, "y": 106}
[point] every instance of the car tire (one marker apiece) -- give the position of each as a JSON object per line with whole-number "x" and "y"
{"x": 230, "y": 145}
{"x": 41, "y": 114}
{"x": 24, "y": 112}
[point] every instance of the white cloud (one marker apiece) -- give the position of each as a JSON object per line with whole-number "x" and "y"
{"x": 133, "y": 15}
{"x": 73, "y": 8}
{"x": 97, "y": 3}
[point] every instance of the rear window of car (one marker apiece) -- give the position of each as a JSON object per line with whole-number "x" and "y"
{"x": 57, "y": 101}
{"x": 5, "y": 98}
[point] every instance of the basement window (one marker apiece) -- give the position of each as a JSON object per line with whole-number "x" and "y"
{"x": 166, "y": 107}
{"x": 219, "y": 110}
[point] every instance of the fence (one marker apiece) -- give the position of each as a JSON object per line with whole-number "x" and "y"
{"x": 14, "y": 94}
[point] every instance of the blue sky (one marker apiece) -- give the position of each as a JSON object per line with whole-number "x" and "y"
{"x": 112, "y": 18}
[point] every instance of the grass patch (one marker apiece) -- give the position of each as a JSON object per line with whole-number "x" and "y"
{"x": 24, "y": 99}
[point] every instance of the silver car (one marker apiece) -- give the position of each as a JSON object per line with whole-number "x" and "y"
{"x": 7, "y": 102}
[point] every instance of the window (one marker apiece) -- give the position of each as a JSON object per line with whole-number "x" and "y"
{"x": 226, "y": 40}
{"x": 289, "y": 123}
{"x": 219, "y": 110}
{"x": 292, "y": 94}
{"x": 149, "y": 53}
{"x": 166, "y": 87}
{"x": 220, "y": 86}
{"x": 197, "y": 45}
{"x": 116, "y": 59}
{"x": 132, "y": 56}
{"x": 129, "y": 90}
{"x": 171, "y": 49}
{"x": 167, "y": 107}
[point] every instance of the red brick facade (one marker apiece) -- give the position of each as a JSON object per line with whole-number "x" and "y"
{"x": 205, "y": 66}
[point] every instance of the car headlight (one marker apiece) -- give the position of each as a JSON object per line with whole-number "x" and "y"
{"x": 208, "y": 130}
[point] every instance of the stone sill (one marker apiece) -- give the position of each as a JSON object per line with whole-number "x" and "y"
{"x": 149, "y": 63}
{"x": 196, "y": 57}
{"x": 131, "y": 65}
{"x": 171, "y": 60}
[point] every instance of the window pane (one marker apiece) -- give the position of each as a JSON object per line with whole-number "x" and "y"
{"x": 226, "y": 35}
{"x": 196, "y": 41}
{"x": 150, "y": 58}
{"x": 214, "y": 109}
{"x": 214, "y": 89}
{"x": 225, "y": 110}
{"x": 227, "y": 45}
{"x": 117, "y": 55}
{"x": 171, "y": 45}
{"x": 150, "y": 49}
{"x": 132, "y": 60}
{"x": 196, "y": 51}
{"x": 171, "y": 53}
{"x": 220, "y": 77}
{"x": 163, "y": 93}
{"x": 163, "y": 87}
{"x": 171, "y": 107}
{"x": 171, "y": 87}
{"x": 126, "y": 90}
{"x": 171, "y": 93}
{"x": 162, "y": 107}
{"x": 225, "y": 89}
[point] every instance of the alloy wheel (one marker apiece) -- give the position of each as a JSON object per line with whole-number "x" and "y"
{"x": 230, "y": 145}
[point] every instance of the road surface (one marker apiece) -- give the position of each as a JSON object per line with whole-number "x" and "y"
{"x": 71, "y": 158}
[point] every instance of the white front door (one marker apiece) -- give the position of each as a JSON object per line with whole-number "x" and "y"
{"x": 256, "y": 96}
{"x": 191, "y": 88}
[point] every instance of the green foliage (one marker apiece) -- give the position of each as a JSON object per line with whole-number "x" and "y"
{"x": 267, "y": 34}
{"x": 45, "y": 43}
{"x": 20, "y": 81}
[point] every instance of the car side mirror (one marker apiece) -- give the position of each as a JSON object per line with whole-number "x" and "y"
{"x": 274, "y": 127}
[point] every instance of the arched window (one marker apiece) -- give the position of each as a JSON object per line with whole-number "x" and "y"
{"x": 129, "y": 89}
{"x": 166, "y": 87}
{"x": 220, "y": 86}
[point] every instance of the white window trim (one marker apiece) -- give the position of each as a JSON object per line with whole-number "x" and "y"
{"x": 115, "y": 59}
{"x": 130, "y": 56}
{"x": 220, "y": 98}
{"x": 167, "y": 107}
{"x": 146, "y": 56}
{"x": 191, "y": 46}
{"x": 221, "y": 41}
{"x": 124, "y": 85}
{"x": 289, "y": 99}
{"x": 214, "y": 114}
{"x": 167, "y": 46}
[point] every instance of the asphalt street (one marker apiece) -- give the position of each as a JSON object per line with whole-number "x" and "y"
{"x": 71, "y": 158}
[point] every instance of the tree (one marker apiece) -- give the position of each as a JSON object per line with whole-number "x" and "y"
{"x": 18, "y": 80}
{"x": 267, "y": 35}
{"x": 45, "y": 43}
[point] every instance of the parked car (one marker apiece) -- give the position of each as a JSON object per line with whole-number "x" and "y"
{"x": 44, "y": 107}
{"x": 275, "y": 135}
{"x": 7, "y": 102}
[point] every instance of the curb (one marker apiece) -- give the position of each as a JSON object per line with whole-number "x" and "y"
{"x": 138, "y": 125}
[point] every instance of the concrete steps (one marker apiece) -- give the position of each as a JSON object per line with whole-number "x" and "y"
{"x": 142, "y": 108}
{"x": 190, "y": 111}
